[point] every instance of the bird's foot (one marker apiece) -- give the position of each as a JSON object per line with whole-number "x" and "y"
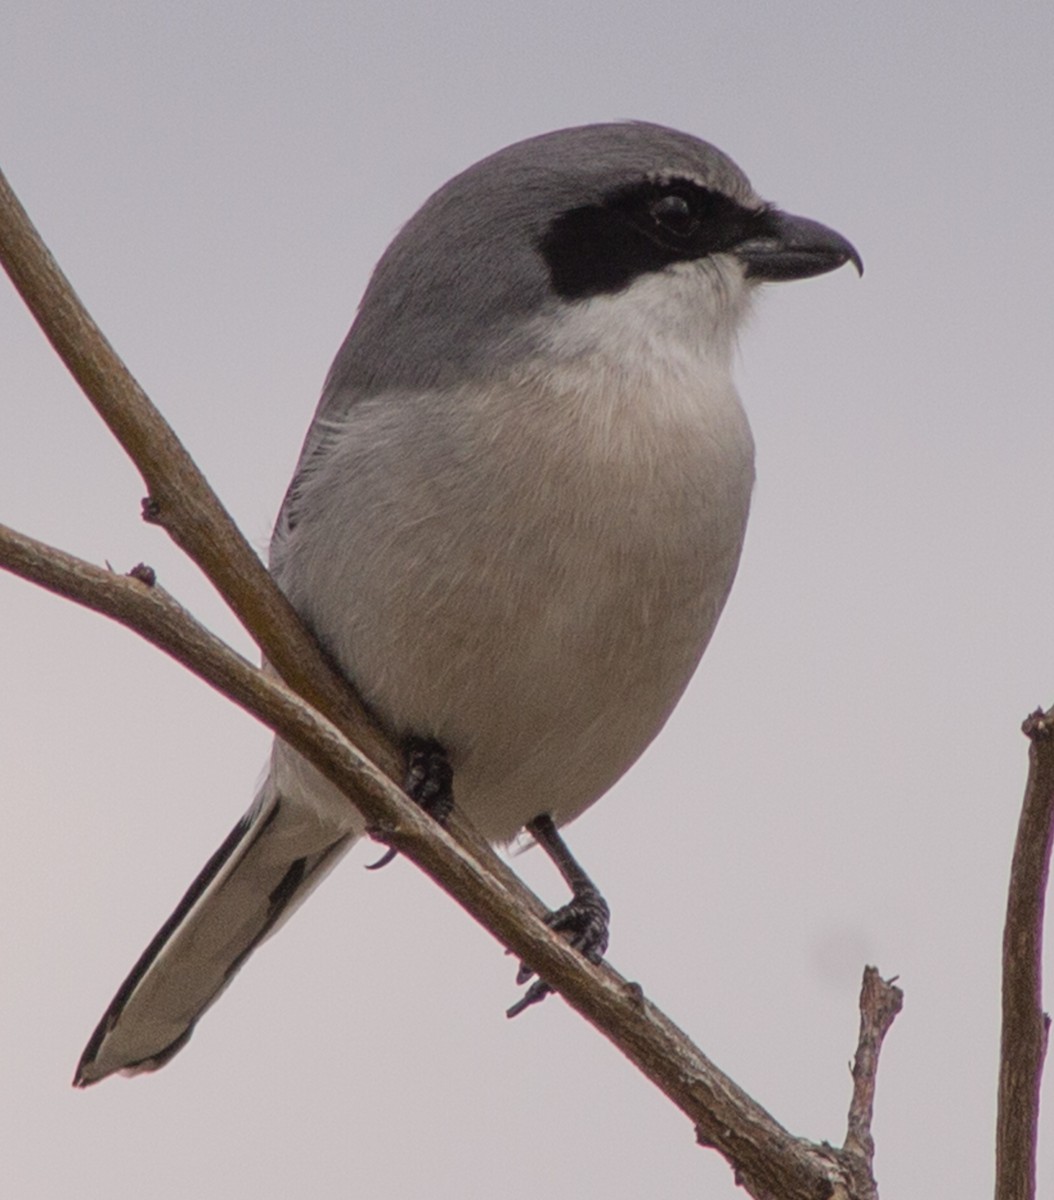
{"x": 429, "y": 782}
{"x": 585, "y": 922}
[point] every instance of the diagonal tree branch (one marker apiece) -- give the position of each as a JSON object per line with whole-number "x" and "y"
{"x": 317, "y": 715}
{"x": 1025, "y": 1024}
{"x": 180, "y": 499}
{"x": 770, "y": 1161}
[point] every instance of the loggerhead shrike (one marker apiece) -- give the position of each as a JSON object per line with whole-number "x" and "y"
{"x": 514, "y": 523}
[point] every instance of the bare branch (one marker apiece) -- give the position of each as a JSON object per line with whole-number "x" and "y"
{"x": 880, "y": 1002}
{"x": 769, "y": 1160}
{"x": 180, "y": 499}
{"x": 1025, "y": 1025}
{"x": 324, "y": 724}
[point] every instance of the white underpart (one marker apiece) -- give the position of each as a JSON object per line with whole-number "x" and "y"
{"x": 529, "y": 570}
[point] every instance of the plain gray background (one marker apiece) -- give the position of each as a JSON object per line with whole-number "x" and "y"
{"x": 841, "y": 782}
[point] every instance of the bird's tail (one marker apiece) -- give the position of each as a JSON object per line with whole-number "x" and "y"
{"x": 268, "y": 864}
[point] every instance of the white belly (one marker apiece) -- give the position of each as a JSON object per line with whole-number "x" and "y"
{"x": 528, "y": 571}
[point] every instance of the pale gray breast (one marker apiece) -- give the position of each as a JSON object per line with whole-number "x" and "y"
{"x": 528, "y": 571}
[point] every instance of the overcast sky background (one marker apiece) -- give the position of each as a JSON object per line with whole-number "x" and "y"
{"x": 839, "y": 786}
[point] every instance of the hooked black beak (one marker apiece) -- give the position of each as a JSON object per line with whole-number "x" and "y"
{"x": 789, "y": 247}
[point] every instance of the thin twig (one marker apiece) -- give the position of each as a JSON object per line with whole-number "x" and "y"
{"x": 880, "y": 1002}
{"x": 327, "y": 724}
{"x": 1023, "y": 1043}
{"x": 180, "y": 498}
{"x": 765, "y": 1156}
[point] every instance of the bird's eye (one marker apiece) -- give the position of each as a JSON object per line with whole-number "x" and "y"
{"x": 674, "y": 215}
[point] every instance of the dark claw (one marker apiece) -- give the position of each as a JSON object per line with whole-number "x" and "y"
{"x": 429, "y": 782}
{"x": 585, "y": 920}
{"x": 537, "y": 991}
{"x": 383, "y": 861}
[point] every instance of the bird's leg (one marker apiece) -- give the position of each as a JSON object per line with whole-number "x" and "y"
{"x": 429, "y": 782}
{"x": 584, "y": 919}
